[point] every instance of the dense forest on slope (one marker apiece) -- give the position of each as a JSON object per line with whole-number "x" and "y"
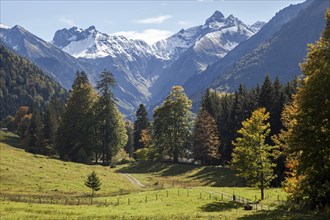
{"x": 23, "y": 83}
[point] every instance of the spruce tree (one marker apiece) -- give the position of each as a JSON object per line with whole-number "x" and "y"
{"x": 140, "y": 124}
{"x": 267, "y": 94}
{"x": 252, "y": 156}
{"x": 93, "y": 182}
{"x": 74, "y": 136}
{"x": 206, "y": 139}
{"x": 110, "y": 121}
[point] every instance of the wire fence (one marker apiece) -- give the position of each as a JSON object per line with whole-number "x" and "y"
{"x": 122, "y": 198}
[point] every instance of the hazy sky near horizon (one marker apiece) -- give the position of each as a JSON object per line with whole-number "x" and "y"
{"x": 146, "y": 20}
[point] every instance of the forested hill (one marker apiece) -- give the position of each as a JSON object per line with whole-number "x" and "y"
{"x": 23, "y": 83}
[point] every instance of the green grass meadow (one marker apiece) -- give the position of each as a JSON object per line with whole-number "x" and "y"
{"x": 39, "y": 187}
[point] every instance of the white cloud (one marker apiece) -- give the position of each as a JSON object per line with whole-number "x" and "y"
{"x": 154, "y": 20}
{"x": 67, "y": 21}
{"x": 4, "y": 26}
{"x": 149, "y": 35}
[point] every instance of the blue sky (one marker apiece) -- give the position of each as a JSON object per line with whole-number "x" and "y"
{"x": 147, "y": 20}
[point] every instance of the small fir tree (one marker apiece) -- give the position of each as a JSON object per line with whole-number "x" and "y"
{"x": 93, "y": 182}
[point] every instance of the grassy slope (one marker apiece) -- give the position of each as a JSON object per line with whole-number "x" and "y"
{"x": 184, "y": 175}
{"x": 24, "y": 173}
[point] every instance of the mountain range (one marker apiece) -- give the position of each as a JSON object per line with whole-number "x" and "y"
{"x": 221, "y": 53}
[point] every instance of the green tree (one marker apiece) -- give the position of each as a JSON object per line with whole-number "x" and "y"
{"x": 282, "y": 141}
{"x": 93, "y": 182}
{"x": 205, "y": 139}
{"x": 310, "y": 137}
{"x": 33, "y": 140}
{"x": 129, "y": 147}
{"x": 252, "y": 158}
{"x": 74, "y": 136}
{"x": 109, "y": 119}
{"x": 140, "y": 124}
{"x": 267, "y": 94}
{"x": 51, "y": 121}
{"x": 172, "y": 125}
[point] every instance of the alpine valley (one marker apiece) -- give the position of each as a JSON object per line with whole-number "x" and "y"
{"x": 221, "y": 53}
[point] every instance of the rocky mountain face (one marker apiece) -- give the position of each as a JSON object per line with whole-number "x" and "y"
{"x": 196, "y": 48}
{"x": 134, "y": 64}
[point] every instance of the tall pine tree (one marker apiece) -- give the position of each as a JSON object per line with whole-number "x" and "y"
{"x": 110, "y": 121}
{"x": 73, "y": 141}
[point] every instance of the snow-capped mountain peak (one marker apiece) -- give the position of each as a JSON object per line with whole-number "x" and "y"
{"x": 216, "y": 17}
{"x": 217, "y": 29}
{"x": 91, "y": 43}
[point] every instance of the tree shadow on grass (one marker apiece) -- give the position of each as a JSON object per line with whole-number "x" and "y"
{"x": 220, "y": 206}
{"x": 218, "y": 176}
{"x": 279, "y": 214}
{"x": 164, "y": 169}
{"x": 208, "y": 175}
{"x": 11, "y": 140}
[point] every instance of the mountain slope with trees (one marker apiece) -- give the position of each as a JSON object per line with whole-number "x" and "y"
{"x": 23, "y": 83}
{"x": 276, "y": 50}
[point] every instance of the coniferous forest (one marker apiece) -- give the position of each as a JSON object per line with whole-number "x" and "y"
{"x": 272, "y": 135}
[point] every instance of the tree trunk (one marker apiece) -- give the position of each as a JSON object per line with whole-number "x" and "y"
{"x": 175, "y": 156}
{"x": 262, "y": 186}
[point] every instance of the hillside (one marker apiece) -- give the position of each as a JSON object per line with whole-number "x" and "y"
{"x": 49, "y": 176}
{"x": 23, "y": 83}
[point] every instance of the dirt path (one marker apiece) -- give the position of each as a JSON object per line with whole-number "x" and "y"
{"x": 133, "y": 180}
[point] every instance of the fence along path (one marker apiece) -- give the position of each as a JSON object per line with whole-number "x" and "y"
{"x": 232, "y": 197}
